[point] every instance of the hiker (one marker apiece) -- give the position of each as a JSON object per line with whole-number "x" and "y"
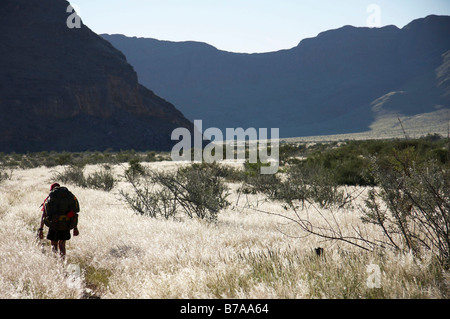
{"x": 60, "y": 214}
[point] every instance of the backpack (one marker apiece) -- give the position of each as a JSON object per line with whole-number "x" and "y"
{"x": 61, "y": 209}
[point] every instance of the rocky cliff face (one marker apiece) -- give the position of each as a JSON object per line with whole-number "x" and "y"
{"x": 68, "y": 89}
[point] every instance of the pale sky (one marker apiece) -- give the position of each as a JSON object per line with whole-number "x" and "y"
{"x": 247, "y": 25}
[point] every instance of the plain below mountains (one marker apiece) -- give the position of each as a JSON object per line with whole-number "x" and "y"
{"x": 69, "y": 89}
{"x": 342, "y": 81}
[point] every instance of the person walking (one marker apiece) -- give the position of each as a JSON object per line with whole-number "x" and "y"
{"x": 60, "y": 214}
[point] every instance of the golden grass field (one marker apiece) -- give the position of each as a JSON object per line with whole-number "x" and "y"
{"x": 246, "y": 254}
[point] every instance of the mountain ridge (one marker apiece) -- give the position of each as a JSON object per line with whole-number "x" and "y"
{"x": 314, "y": 88}
{"x": 68, "y": 89}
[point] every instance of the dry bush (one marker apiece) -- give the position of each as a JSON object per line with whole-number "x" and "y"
{"x": 195, "y": 191}
{"x": 102, "y": 179}
{"x": 412, "y": 204}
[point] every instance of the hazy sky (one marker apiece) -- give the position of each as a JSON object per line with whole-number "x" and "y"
{"x": 247, "y": 25}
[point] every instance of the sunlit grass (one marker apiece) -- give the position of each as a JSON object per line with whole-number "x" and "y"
{"x": 245, "y": 254}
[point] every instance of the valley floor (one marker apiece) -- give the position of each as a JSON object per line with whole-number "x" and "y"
{"x": 248, "y": 253}
{"x": 391, "y": 125}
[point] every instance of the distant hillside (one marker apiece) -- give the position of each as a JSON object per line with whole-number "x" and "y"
{"x": 69, "y": 89}
{"x": 341, "y": 81}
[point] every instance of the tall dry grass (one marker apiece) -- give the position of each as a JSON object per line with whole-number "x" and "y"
{"x": 245, "y": 254}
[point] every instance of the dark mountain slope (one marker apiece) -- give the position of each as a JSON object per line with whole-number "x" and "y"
{"x": 337, "y": 82}
{"x": 69, "y": 89}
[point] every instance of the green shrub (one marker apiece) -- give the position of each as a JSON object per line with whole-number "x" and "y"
{"x": 416, "y": 196}
{"x": 196, "y": 191}
{"x": 255, "y": 182}
{"x": 288, "y": 151}
{"x": 346, "y": 165}
{"x": 411, "y": 203}
{"x": 135, "y": 169}
{"x": 303, "y": 185}
{"x": 102, "y": 180}
{"x": 71, "y": 174}
{"x": 5, "y": 175}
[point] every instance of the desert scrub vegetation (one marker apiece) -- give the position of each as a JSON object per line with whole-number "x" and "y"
{"x": 408, "y": 194}
{"x": 4, "y": 174}
{"x": 406, "y": 191}
{"x": 416, "y": 197}
{"x": 257, "y": 245}
{"x": 102, "y": 179}
{"x": 53, "y": 159}
{"x": 349, "y": 162}
{"x": 197, "y": 190}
